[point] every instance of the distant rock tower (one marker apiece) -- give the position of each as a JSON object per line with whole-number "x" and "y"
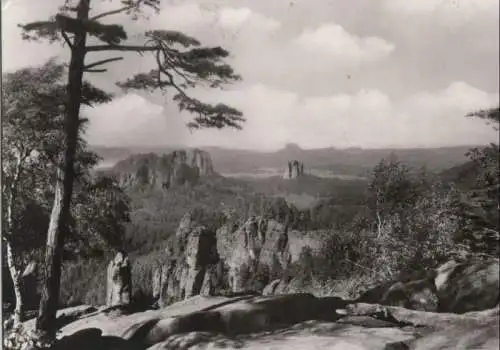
{"x": 295, "y": 169}
{"x": 118, "y": 284}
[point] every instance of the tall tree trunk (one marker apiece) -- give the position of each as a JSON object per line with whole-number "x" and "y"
{"x": 379, "y": 225}
{"x": 17, "y": 283}
{"x": 14, "y": 272}
{"x": 64, "y": 185}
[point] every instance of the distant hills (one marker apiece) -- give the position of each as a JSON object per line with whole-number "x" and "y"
{"x": 323, "y": 161}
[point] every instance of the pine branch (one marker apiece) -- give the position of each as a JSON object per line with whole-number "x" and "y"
{"x": 128, "y": 48}
{"x": 171, "y": 81}
{"x": 117, "y": 11}
{"x": 101, "y": 70}
{"x": 87, "y": 67}
{"x": 67, "y": 39}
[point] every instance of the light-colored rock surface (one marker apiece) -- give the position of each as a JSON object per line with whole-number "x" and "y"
{"x": 457, "y": 287}
{"x": 468, "y": 286}
{"x": 260, "y": 243}
{"x": 271, "y": 288}
{"x": 210, "y": 263}
{"x": 118, "y": 284}
{"x": 416, "y": 295}
{"x": 296, "y": 321}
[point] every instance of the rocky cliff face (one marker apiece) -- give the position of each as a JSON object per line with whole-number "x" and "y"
{"x": 255, "y": 255}
{"x": 163, "y": 171}
{"x": 208, "y": 262}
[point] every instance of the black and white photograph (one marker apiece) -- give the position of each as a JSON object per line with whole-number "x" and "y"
{"x": 250, "y": 174}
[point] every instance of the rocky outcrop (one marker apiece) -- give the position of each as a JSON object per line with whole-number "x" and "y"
{"x": 190, "y": 268}
{"x": 295, "y": 321}
{"x": 118, "y": 284}
{"x": 164, "y": 171}
{"x": 468, "y": 285}
{"x": 235, "y": 258}
{"x": 295, "y": 169}
{"x": 416, "y": 295}
{"x": 456, "y": 287}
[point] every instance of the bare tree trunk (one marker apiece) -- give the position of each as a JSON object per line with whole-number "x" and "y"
{"x": 64, "y": 185}
{"x": 14, "y": 272}
{"x": 17, "y": 282}
{"x": 379, "y": 225}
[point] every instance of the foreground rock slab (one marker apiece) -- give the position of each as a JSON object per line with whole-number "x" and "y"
{"x": 294, "y": 321}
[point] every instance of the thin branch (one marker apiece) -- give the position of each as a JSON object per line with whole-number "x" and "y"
{"x": 102, "y": 62}
{"x": 66, "y": 38}
{"x": 169, "y": 75}
{"x": 117, "y": 11}
{"x": 168, "y": 60}
{"x": 131, "y": 48}
{"x": 96, "y": 70}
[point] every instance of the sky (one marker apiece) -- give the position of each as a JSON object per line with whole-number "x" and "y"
{"x": 319, "y": 73}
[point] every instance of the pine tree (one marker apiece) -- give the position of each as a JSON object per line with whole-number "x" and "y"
{"x": 182, "y": 63}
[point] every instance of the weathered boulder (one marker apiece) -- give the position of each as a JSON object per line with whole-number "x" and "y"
{"x": 468, "y": 286}
{"x": 484, "y": 337}
{"x": 415, "y": 295}
{"x": 163, "y": 171}
{"x": 457, "y": 287}
{"x": 280, "y": 322}
{"x": 437, "y": 331}
{"x": 118, "y": 284}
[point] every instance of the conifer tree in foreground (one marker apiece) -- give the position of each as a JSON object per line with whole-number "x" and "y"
{"x": 182, "y": 63}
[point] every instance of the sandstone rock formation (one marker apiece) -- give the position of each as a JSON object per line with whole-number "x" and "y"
{"x": 456, "y": 287}
{"x": 189, "y": 271}
{"x": 235, "y": 258}
{"x": 295, "y": 169}
{"x": 163, "y": 171}
{"x": 415, "y": 295}
{"x": 468, "y": 286}
{"x": 118, "y": 284}
{"x": 295, "y": 321}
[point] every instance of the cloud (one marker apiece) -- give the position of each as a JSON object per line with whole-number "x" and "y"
{"x": 132, "y": 120}
{"x": 265, "y": 51}
{"x": 368, "y": 118}
{"x": 438, "y": 117}
{"x": 237, "y": 17}
{"x": 336, "y": 42}
{"x": 225, "y": 21}
{"x": 458, "y": 96}
{"x": 452, "y": 12}
{"x": 366, "y": 73}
